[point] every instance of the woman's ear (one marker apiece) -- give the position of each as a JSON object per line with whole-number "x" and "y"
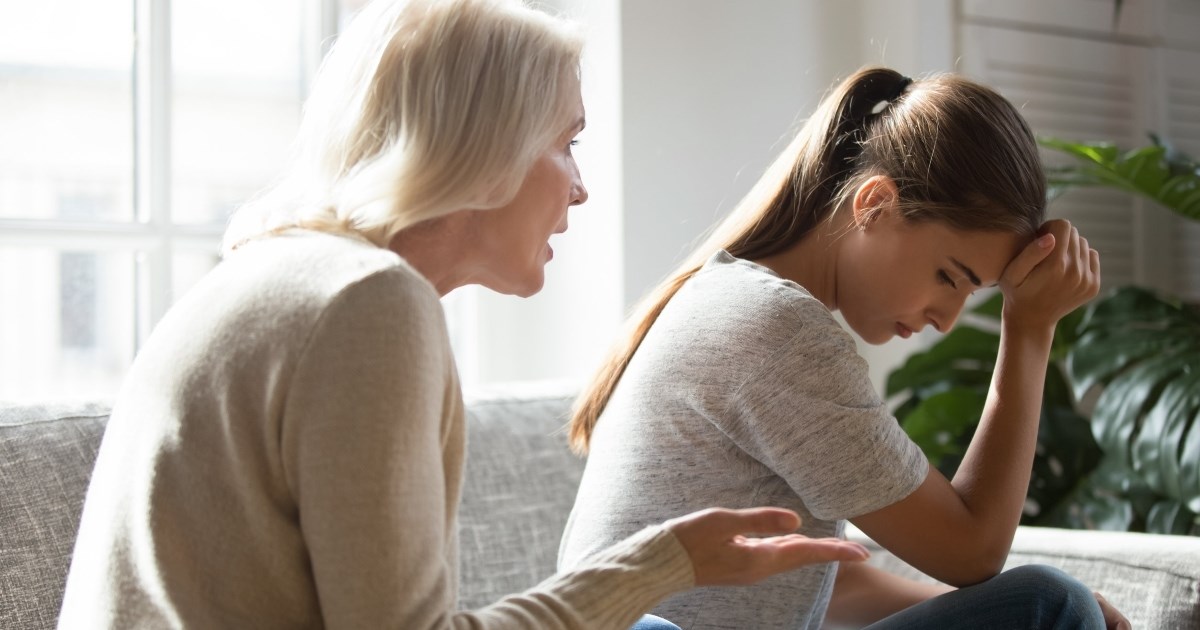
{"x": 873, "y": 197}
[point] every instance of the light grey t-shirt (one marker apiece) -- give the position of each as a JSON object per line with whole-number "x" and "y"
{"x": 746, "y": 392}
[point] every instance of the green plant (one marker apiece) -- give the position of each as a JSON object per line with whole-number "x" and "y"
{"x": 942, "y": 392}
{"x": 1144, "y": 351}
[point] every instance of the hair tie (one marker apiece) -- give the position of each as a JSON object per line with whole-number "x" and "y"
{"x": 900, "y": 87}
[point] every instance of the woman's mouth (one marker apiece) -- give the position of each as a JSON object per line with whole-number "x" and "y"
{"x": 903, "y": 331}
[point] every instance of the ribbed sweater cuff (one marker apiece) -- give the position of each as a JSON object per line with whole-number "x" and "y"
{"x": 617, "y": 586}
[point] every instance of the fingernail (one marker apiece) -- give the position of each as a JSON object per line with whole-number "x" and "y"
{"x": 1045, "y": 240}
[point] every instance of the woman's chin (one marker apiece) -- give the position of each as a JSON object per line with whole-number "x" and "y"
{"x": 873, "y": 336}
{"x": 527, "y": 286}
{"x": 528, "y": 291}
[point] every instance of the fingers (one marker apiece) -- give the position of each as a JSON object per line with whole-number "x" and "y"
{"x": 1033, "y": 254}
{"x": 1081, "y": 267}
{"x": 721, "y": 522}
{"x": 760, "y": 521}
{"x": 793, "y": 552}
{"x": 1113, "y": 619}
{"x": 1040, "y": 287}
{"x": 724, "y": 549}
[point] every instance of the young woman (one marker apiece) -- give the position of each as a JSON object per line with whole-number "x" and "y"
{"x": 736, "y": 386}
{"x": 287, "y": 451}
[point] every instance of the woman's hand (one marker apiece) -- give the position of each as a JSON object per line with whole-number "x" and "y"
{"x": 723, "y": 554}
{"x": 1113, "y": 619}
{"x": 1051, "y": 277}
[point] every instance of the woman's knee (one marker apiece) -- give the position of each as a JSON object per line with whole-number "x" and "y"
{"x": 1057, "y": 595}
{"x": 1041, "y": 577}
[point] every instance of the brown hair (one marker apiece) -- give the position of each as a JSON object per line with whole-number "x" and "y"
{"x": 958, "y": 152}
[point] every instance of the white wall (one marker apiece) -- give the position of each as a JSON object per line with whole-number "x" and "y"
{"x": 713, "y": 90}
{"x": 687, "y": 102}
{"x": 564, "y": 331}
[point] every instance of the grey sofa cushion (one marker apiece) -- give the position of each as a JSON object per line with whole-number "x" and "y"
{"x": 1153, "y": 580}
{"x": 519, "y": 487}
{"x": 517, "y": 492}
{"x": 46, "y": 459}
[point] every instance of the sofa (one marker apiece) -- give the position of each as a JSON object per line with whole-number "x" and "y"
{"x": 520, "y": 484}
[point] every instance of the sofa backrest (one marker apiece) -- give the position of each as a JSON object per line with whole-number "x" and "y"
{"x": 519, "y": 487}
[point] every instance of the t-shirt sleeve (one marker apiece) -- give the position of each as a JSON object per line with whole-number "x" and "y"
{"x": 363, "y": 440}
{"x": 809, "y": 412}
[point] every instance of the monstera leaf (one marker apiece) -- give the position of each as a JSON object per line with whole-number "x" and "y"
{"x": 1144, "y": 352}
{"x": 1155, "y": 171}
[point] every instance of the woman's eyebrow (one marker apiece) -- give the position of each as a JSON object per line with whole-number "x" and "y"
{"x": 967, "y": 270}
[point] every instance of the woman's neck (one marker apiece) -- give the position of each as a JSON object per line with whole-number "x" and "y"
{"x": 812, "y": 261}
{"x": 436, "y": 249}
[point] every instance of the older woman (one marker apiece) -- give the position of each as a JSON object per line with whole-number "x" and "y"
{"x": 288, "y": 448}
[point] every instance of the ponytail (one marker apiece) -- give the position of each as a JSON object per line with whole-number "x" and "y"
{"x": 800, "y": 189}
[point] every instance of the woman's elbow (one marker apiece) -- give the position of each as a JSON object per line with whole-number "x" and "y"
{"x": 978, "y": 566}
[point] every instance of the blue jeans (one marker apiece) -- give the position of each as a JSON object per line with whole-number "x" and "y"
{"x": 1032, "y": 596}
{"x": 650, "y": 622}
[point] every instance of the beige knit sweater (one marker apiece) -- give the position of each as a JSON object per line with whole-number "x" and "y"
{"x": 288, "y": 452}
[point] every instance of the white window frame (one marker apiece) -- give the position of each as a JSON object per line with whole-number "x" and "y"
{"x": 151, "y": 233}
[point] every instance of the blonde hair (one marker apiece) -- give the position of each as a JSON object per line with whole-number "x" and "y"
{"x": 422, "y": 108}
{"x": 958, "y": 152}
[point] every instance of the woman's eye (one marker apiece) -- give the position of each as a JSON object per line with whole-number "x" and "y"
{"x": 944, "y": 278}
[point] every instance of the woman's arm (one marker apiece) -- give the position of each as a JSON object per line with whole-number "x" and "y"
{"x": 960, "y": 531}
{"x": 371, "y": 451}
{"x": 863, "y": 595}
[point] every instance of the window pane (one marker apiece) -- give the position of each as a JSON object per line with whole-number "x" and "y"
{"x": 66, "y": 109}
{"x": 236, "y": 97}
{"x": 71, "y": 335}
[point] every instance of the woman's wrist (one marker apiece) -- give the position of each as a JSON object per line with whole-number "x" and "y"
{"x": 1033, "y": 330}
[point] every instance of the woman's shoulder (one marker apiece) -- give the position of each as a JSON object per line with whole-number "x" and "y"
{"x": 742, "y": 312}
{"x": 748, "y": 292}
{"x": 330, "y": 265}
{"x": 289, "y": 282}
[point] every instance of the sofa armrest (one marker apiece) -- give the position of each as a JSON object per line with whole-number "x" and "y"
{"x": 1153, "y": 579}
{"x": 46, "y": 458}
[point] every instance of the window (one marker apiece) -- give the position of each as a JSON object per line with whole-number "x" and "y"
{"x": 132, "y": 129}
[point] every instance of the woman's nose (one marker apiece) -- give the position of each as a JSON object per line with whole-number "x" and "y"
{"x": 579, "y": 193}
{"x": 944, "y": 318}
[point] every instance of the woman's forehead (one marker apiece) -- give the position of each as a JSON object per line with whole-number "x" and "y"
{"x": 980, "y": 254}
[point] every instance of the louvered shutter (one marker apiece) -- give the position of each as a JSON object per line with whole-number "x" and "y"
{"x": 1079, "y": 78}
